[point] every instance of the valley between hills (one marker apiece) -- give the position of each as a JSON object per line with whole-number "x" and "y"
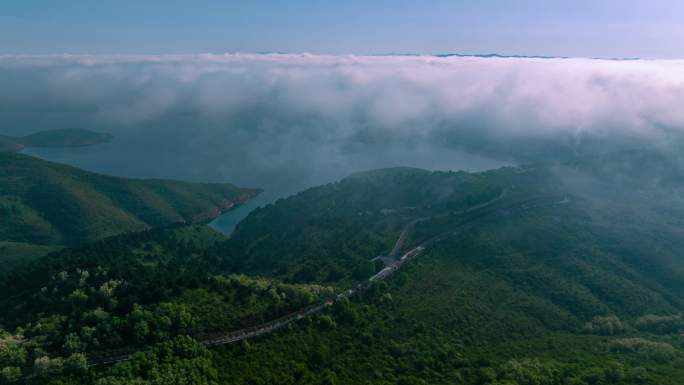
{"x": 551, "y": 274}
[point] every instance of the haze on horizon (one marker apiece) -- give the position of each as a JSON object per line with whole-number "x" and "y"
{"x": 298, "y": 119}
{"x": 583, "y": 28}
{"x": 301, "y": 120}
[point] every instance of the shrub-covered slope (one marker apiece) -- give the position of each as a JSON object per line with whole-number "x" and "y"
{"x": 544, "y": 274}
{"x": 329, "y": 233}
{"x": 44, "y": 203}
{"x": 128, "y": 292}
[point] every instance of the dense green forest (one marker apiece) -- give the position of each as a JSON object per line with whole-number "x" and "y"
{"x": 134, "y": 290}
{"x": 45, "y": 205}
{"x": 329, "y": 233}
{"x": 544, "y": 274}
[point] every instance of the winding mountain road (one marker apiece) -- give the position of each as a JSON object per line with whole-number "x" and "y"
{"x": 392, "y": 265}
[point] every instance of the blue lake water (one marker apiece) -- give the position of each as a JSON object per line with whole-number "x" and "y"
{"x": 127, "y": 158}
{"x": 227, "y": 221}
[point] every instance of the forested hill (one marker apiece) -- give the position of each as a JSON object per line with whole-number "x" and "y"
{"x": 544, "y": 274}
{"x": 44, "y": 204}
{"x": 621, "y": 204}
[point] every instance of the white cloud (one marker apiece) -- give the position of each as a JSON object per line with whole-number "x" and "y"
{"x": 350, "y": 111}
{"x": 554, "y": 94}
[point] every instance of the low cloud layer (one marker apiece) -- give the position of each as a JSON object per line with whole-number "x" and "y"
{"x": 302, "y": 119}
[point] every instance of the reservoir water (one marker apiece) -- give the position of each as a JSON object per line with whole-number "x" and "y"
{"x": 227, "y": 221}
{"x": 125, "y": 158}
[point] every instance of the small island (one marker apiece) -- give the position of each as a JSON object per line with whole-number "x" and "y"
{"x": 66, "y": 137}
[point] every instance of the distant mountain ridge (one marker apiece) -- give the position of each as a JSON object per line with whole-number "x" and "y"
{"x": 66, "y": 137}
{"x": 503, "y": 56}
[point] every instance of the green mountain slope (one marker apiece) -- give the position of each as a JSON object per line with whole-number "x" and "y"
{"x": 545, "y": 274}
{"x": 128, "y": 292}
{"x": 623, "y": 204}
{"x": 574, "y": 274}
{"x": 329, "y": 233}
{"x": 44, "y": 203}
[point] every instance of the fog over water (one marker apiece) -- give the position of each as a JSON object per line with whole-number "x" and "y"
{"x": 286, "y": 122}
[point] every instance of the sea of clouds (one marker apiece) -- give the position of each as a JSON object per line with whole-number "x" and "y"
{"x": 301, "y": 119}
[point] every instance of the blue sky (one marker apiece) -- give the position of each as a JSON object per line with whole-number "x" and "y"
{"x": 611, "y": 28}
